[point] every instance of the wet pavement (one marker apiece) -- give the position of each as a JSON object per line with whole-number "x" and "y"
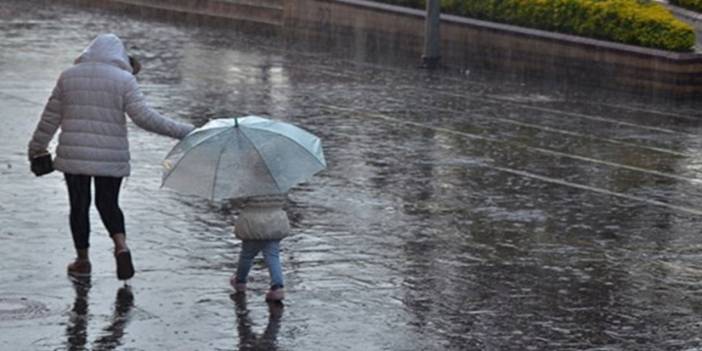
{"x": 457, "y": 213}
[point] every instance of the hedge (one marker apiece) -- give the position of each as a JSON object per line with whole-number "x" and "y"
{"x": 638, "y": 22}
{"x": 695, "y": 5}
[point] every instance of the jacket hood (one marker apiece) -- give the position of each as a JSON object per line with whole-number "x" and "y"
{"x": 106, "y": 48}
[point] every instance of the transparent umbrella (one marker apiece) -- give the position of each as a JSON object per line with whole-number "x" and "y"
{"x": 242, "y": 157}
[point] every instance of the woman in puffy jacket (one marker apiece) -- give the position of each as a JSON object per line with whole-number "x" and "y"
{"x": 89, "y": 104}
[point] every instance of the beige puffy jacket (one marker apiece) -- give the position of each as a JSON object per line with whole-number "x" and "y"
{"x": 89, "y": 104}
{"x": 263, "y": 218}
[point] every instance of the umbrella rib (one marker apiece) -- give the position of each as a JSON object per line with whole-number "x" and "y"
{"x": 289, "y": 138}
{"x": 253, "y": 145}
{"x": 186, "y": 154}
{"x": 216, "y": 169}
{"x": 205, "y": 139}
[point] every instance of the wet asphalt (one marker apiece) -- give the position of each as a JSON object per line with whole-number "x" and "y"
{"x": 458, "y": 211}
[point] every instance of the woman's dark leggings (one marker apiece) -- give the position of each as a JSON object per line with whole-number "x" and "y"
{"x": 106, "y": 201}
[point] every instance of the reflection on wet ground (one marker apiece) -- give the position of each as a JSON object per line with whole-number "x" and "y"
{"x": 248, "y": 339}
{"x": 111, "y": 335}
{"x": 458, "y": 212}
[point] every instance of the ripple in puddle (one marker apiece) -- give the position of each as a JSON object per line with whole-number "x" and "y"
{"x": 22, "y": 308}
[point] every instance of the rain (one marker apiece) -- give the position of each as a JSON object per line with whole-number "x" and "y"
{"x": 458, "y": 210}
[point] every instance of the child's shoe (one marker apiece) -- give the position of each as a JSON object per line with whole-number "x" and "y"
{"x": 275, "y": 295}
{"x": 238, "y": 287}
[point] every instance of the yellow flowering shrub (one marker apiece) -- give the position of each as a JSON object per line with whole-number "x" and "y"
{"x": 638, "y": 22}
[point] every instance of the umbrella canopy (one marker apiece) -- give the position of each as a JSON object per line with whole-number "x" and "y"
{"x": 242, "y": 157}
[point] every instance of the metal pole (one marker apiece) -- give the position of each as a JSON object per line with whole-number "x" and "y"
{"x": 432, "y": 51}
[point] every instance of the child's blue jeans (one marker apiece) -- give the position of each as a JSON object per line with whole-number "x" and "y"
{"x": 271, "y": 255}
